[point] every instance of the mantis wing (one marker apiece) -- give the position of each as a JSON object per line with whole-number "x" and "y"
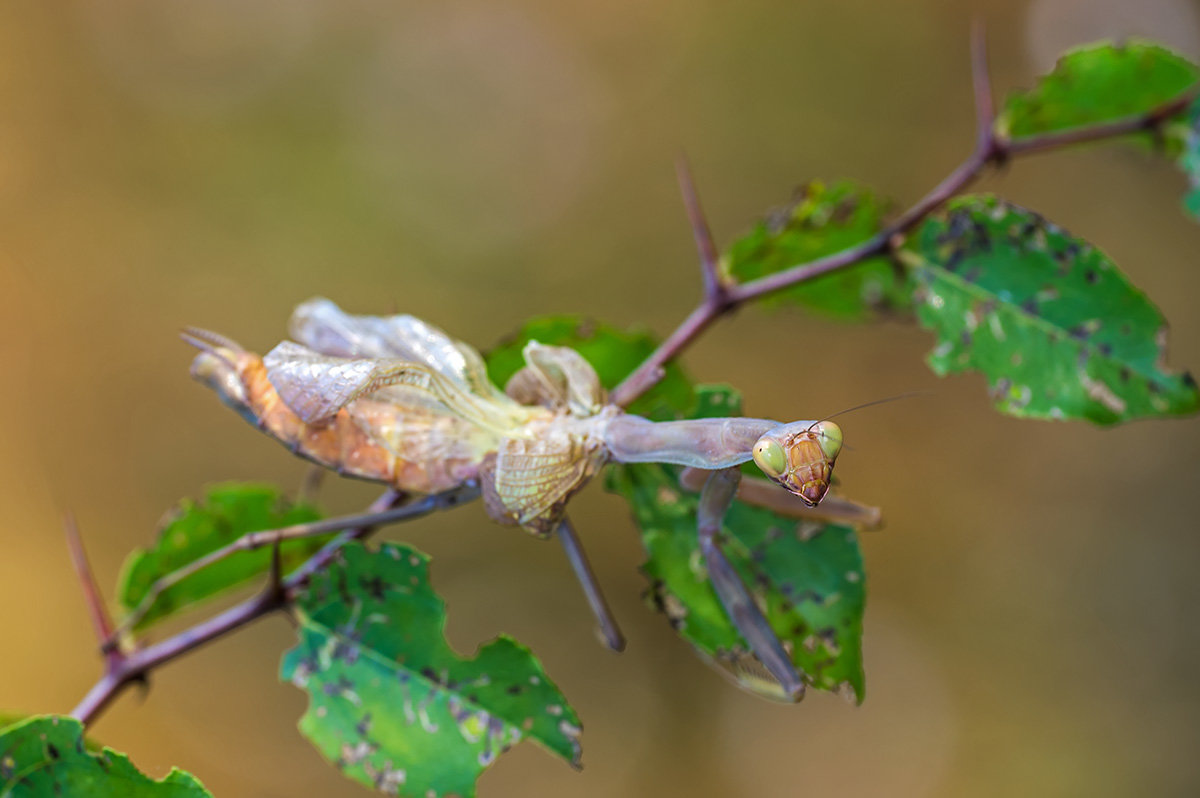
{"x": 557, "y": 377}
{"x": 316, "y": 386}
{"x": 536, "y": 475}
{"x": 323, "y": 327}
{"x": 433, "y": 447}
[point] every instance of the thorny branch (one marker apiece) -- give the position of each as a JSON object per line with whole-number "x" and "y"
{"x": 721, "y": 295}
{"x": 249, "y": 542}
{"x": 991, "y": 149}
{"x": 123, "y": 668}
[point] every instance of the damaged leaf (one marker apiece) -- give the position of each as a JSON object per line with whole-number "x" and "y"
{"x": 390, "y": 703}
{"x": 1189, "y": 160}
{"x": 808, "y": 576}
{"x": 1052, "y": 323}
{"x": 1099, "y": 83}
{"x": 821, "y": 220}
{"x": 197, "y": 528}
{"x": 47, "y": 755}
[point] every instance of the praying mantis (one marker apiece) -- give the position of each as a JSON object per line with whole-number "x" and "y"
{"x": 396, "y": 400}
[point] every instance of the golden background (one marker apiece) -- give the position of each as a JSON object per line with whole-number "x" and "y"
{"x": 1031, "y": 626}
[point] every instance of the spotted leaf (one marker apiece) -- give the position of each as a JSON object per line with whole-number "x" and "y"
{"x": 611, "y": 351}
{"x": 1051, "y": 322}
{"x": 47, "y": 755}
{"x": 807, "y": 577}
{"x": 1189, "y": 160}
{"x": 1099, "y": 83}
{"x": 390, "y": 703}
{"x": 197, "y": 528}
{"x": 822, "y": 219}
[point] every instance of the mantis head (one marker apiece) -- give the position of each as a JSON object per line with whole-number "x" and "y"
{"x": 800, "y": 457}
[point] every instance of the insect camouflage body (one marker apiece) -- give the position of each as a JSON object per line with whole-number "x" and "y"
{"x": 396, "y": 400}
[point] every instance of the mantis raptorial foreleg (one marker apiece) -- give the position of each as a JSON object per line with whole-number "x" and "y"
{"x": 715, "y": 499}
{"x": 762, "y": 493}
{"x": 609, "y": 631}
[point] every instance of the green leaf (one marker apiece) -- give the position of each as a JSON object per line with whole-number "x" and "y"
{"x": 1099, "y": 83}
{"x": 197, "y": 528}
{"x": 1050, "y": 320}
{"x": 613, "y": 352}
{"x": 13, "y": 718}
{"x": 391, "y": 704}
{"x": 46, "y": 755}
{"x": 821, "y": 220}
{"x": 809, "y": 576}
{"x": 1189, "y": 160}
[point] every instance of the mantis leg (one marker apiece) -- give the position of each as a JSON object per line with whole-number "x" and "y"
{"x": 591, "y": 588}
{"x": 763, "y": 493}
{"x": 715, "y": 499}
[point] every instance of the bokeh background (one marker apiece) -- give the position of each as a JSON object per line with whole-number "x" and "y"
{"x": 1031, "y": 626}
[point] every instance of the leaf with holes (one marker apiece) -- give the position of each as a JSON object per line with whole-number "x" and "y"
{"x": 1099, "y": 83}
{"x": 613, "y": 352}
{"x": 198, "y": 528}
{"x": 390, "y": 703}
{"x": 808, "y": 577}
{"x": 821, "y": 220}
{"x": 47, "y": 755}
{"x": 1051, "y": 322}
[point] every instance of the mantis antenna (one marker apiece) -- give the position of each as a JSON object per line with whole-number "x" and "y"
{"x": 896, "y": 398}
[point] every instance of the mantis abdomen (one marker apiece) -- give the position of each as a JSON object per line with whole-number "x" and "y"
{"x": 340, "y": 443}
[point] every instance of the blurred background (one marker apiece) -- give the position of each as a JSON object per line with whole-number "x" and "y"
{"x": 1031, "y": 625}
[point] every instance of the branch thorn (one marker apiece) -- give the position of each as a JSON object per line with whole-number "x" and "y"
{"x": 981, "y": 82}
{"x": 101, "y": 621}
{"x": 714, "y": 289}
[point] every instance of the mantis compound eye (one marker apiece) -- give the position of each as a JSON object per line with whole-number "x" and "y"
{"x": 768, "y": 456}
{"x": 829, "y": 438}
